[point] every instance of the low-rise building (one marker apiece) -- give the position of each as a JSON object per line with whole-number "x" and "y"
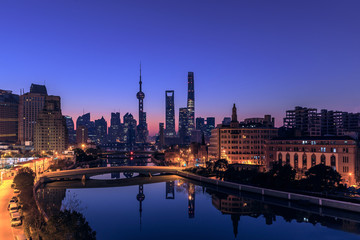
{"x": 302, "y": 153}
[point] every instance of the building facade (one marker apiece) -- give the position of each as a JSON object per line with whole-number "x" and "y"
{"x": 170, "y": 114}
{"x": 71, "y": 130}
{"x": 302, "y": 153}
{"x": 183, "y": 126}
{"x": 50, "y": 130}
{"x": 30, "y": 104}
{"x": 115, "y": 129}
{"x": 9, "y": 108}
{"x": 240, "y": 143}
{"x": 101, "y": 131}
{"x": 81, "y": 135}
{"x": 191, "y": 103}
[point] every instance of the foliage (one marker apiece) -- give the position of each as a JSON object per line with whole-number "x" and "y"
{"x": 24, "y": 178}
{"x": 68, "y": 225}
{"x": 322, "y": 178}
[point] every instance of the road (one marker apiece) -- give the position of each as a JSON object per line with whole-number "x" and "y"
{"x": 6, "y": 231}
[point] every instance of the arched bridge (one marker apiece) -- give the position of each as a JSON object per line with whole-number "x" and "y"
{"x": 89, "y": 172}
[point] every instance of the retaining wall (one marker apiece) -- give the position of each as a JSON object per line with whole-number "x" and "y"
{"x": 325, "y": 202}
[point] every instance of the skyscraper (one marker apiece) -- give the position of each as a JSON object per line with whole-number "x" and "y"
{"x": 129, "y": 130}
{"x": 183, "y": 125}
{"x": 9, "y": 104}
{"x": 142, "y": 131}
{"x": 30, "y": 104}
{"x": 101, "y": 130}
{"x": 71, "y": 130}
{"x": 170, "y": 114}
{"x": 161, "y": 136}
{"x": 84, "y": 120}
{"x": 115, "y": 128}
{"x": 50, "y": 132}
{"x": 191, "y": 103}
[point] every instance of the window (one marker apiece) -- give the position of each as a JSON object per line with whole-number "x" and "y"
{"x": 280, "y": 158}
{"x": 345, "y": 169}
{"x": 304, "y": 158}
{"x": 287, "y": 158}
{"x": 313, "y": 160}
{"x": 323, "y": 159}
{"x": 296, "y": 161}
{"x": 333, "y": 161}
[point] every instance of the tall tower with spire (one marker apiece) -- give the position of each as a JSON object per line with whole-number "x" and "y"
{"x": 142, "y": 131}
{"x": 234, "y": 122}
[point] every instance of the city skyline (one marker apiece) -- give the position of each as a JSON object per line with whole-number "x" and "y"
{"x": 264, "y": 57}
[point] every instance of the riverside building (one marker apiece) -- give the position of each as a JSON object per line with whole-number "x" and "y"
{"x": 240, "y": 143}
{"x": 302, "y": 153}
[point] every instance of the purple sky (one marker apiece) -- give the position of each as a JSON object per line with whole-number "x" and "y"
{"x": 266, "y": 56}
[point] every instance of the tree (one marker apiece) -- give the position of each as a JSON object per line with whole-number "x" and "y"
{"x": 322, "y": 178}
{"x": 282, "y": 176}
{"x": 68, "y": 225}
{"x": 220, "y": 167}
{"x": 24, "y": 178}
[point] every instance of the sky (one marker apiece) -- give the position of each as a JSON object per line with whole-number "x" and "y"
{"x": 265, "y": 56}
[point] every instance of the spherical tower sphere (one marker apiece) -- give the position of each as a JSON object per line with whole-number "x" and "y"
{"x": 140, "y": 197}
{"x": 140, "y": 95}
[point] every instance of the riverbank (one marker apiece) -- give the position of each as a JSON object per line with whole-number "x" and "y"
{"x": 301, "y": 198}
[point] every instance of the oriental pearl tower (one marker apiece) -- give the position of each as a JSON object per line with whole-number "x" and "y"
{"x": 142, "y": 127}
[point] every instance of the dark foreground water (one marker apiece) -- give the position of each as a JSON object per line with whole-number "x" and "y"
{"x": 175, "y": 208}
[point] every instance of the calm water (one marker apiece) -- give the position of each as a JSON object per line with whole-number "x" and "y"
{"x": 174, "y": 208}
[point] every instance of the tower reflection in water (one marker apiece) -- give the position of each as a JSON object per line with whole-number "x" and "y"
{"x": 53, "y": 198}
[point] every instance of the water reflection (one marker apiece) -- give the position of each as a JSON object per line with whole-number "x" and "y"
{"x": 120, "y": 194}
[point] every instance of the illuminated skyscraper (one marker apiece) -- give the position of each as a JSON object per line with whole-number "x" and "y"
{"x": 170, "y": 114}
{"x": 191, "y": 103}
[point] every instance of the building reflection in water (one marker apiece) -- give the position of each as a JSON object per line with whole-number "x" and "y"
{"x": 238, "y": 206}
{"x": 191, "y": 200}
{"x": 170, "y": 190}
{"x": 53, "y": 200}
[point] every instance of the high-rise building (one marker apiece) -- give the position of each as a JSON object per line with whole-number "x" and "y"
{"x": 304, "y": 120}
{"x": 142, "y": 131}
{"x": 84, "y": 120}
{"x": 183, "y": 126}
{"x": 191, "y": 103}
{"x": 81, "y": 135}
{"x": 115, "y": 129}
{"x": 129, "y": 130}
{"x": 9, "y": 105}
{"x": 70, "y": 129}
{"x": 101, "y": 130}
{"x": 30, "y": 104}
{"x": 210, "y": 125}
{"x": 50, "y": 130}
{"x": 170, "y": 114}
{"x": 310, "y": 122}
{"x": 200, "y": 124}
{"x": 161, "y": 136}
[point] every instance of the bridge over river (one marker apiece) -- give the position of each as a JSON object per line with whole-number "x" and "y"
{"x": 86, "y": 173}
